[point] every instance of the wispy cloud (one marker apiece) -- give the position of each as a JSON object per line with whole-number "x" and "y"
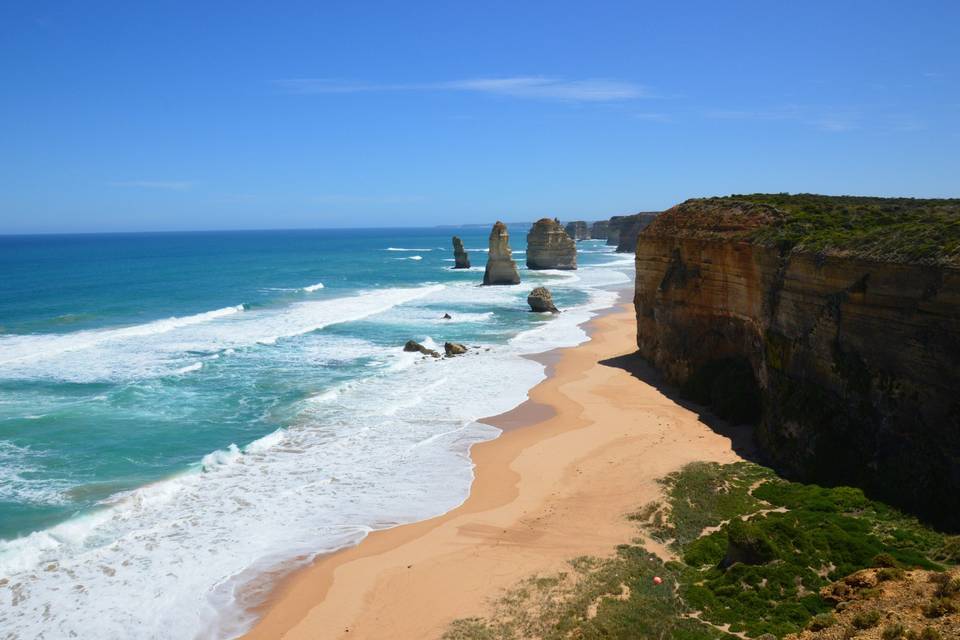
{"x": 822, "y": 119}
{"x": 348, "y": 199}
{"x": 168, "y": 185}
{"x": 653, "y": 117}
{"x": 529, "y": 87}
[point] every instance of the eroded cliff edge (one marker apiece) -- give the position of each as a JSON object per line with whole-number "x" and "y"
{"x": 833, "y": 323}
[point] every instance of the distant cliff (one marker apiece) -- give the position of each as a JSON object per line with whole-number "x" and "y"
{"x": 578, "y": 230}
{"x": 833, "y": 323}
{"x": 629, "y": 227}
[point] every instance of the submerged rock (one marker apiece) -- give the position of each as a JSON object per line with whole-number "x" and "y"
{"x": 578, "y": 230}
{"x": 460, "y": 256}
{"x": 549, "y": 246}
{"x": 501, "y": 269}
{"x": 541, "y": 301}
{"x": 454, "y": 349}
{"x": 447, "y": 316}
{"x": 413, "y": 346}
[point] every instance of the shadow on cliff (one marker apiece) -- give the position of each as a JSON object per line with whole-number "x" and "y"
{"x": 740, "y": 435}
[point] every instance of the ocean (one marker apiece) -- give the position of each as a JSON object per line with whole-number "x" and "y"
{"x": 181, "y": 413}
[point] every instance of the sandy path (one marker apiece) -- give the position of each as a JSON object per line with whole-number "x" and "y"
{"x": 543, "y": 494}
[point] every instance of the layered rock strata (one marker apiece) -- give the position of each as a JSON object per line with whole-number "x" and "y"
{"x": 599, "y": 230}
{"x": 549, "y": 246}
{"x": 578, "y": 230}
{"x": 630, "y": 227}
{"x": 461, "y": 259}
{"x": 501, "y": 269}
{"x": 848, "y": 360}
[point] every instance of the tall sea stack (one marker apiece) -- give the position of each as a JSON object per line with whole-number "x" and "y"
{"x": 549, "y": 246}
{"x": 460, "y": 256}
{"x": 501, "y": 269}
{"x": 578, "y": 230}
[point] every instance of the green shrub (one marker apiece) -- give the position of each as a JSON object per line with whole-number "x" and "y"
{"x": 866, "y": 619}
{"x": 884, "y": 560}
{"x": 822, "y": 621}
{"x": 890, "y": 573}
{"x": 939, "y": 607}
{"x": 893, "y": 631}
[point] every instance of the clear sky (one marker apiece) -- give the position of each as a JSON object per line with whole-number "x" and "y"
{"x": 232, "y": 115}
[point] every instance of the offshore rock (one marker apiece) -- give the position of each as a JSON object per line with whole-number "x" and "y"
{"x": 630, "y": 228}
{"x": 578, "y": 230}
{"x": 414, "y": 346}
{"x": 501, "y": 269}
{"x": 460, "y": 256}
{"x": 549, "y": 246}
{"x": 849, "y": 356}
{"x": 541, "y": 301}
{"x": 600, "y": 229}
{"x": 454, "y": 349}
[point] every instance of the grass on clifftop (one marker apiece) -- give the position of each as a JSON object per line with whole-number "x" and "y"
{"x": 925, "y": 231}
{"x": 755, "y": 552}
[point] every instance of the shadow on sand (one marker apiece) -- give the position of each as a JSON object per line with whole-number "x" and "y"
{"x": 740, "y": 436}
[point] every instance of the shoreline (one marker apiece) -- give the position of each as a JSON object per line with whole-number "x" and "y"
{"x": 584, "y": 449}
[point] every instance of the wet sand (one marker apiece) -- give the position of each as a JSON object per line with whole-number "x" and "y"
{"x": 586, "y": 449}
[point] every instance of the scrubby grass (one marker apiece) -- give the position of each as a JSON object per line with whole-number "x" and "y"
{"x": 890, "y": 229}
{"x": 755, "y": 550}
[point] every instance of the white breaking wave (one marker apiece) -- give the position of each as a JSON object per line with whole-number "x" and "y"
{"x": 169, "y": 346}
{"x": 404, "y": 249}
{"x": 364, "y": 455}
{"x": 313, "y": 287}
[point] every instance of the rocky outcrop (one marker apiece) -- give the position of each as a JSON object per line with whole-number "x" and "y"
{"x": 549, "y": 246}
{"x": 461, "y": 259}
{"x": 541, "y": 301}
{"x": 630, "y": 227}
{"x": 501, "y": 269}
{"x": 454, "y": 349}
{"x": 599, "y": 230}
{"x": 412, "y": 346}
{"x": 613, "y": 230}
{"x": 578, "y": 230}
{"x": 848, "y": 358}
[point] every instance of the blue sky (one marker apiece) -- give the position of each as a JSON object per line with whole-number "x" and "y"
{"x": 233, "y": 115}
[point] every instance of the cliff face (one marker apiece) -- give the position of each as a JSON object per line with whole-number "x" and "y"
{"x": 630, "y": 227}
{"x": 501, "y": 269}
{"x": 599, "y": 230}
{"x": 578, "y": 230}
{"x": 549, "y": 246}
{"x": 849, "y": 365}
{"x": 460, "y": 256}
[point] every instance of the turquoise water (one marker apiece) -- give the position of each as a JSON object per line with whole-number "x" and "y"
{"x": 186, "y": 411}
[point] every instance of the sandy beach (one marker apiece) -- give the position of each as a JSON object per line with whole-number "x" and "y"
{"x": 586, "y": 449}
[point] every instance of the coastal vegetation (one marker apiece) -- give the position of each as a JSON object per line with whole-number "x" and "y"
{"x": 754, "y": 555}
{"x": 911, "y": 230}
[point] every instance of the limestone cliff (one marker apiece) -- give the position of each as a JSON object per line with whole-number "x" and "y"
{"x": 461, "y": 259}
{"x": 578, "y": 230}
{"x": 613, "y": 230}
{"x": 549, "y": 246}
{"x": 833, "y": 322}
{"x": 629, "y": 227}
{"x": 501, "y": 269}
{"x": 599, "y": 230}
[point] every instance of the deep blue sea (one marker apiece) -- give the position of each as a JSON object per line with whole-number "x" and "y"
{"x": 183, "y": 412}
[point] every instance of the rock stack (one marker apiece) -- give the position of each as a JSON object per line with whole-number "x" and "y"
{"x": 578, "y": 230}
{"x": 599, "y": 230}
{"x": 460, "y": 256}
{"x": 541, "y": 301}
{"x": 501, "y": 269}
{"x": 549, "y": 246}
